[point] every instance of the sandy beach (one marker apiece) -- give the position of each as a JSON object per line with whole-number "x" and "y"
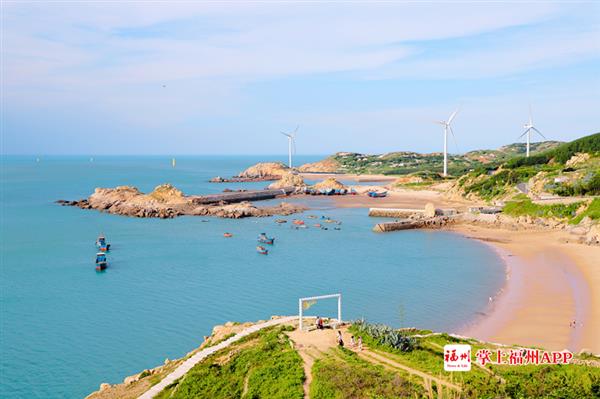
{"x": 551, "y": 280}
{"x": 550, "y": 283}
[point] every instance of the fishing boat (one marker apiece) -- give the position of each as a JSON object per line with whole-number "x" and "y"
{"x": 298, "y": 222}
{"x": 375, "y": 194}
{"x": 101, "y": 262}
{"x": 262, "y": 238}
{"x": 102, "y": 245}
{"x": 262, "y": 250}
{"x": 227, "y": 235}
{"x": 280, "y": 221}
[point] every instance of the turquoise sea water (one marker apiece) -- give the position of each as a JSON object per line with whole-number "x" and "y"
{"x": 65, "y": 328}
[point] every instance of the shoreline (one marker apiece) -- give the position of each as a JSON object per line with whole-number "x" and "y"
{"x": 545, "y": 289}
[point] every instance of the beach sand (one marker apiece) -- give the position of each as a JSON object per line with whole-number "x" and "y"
{"x": 551, "y": 279}
{"x": 550, "y": 283}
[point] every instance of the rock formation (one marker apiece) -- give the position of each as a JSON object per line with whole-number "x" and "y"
{"x": 265, "y": 169}
{"x": 168, "y": 202}
{"x": 328, "y": 165}
{"x": 288, "y": 180}
{"x": 328, "y": 184}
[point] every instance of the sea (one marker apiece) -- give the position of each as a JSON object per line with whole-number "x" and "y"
{"x": 66, "y": 328}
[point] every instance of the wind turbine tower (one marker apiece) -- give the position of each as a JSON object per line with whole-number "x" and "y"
{"x": 291, "y": 144}
{"x": 528, "y": 128}
{"x": 447, "y": 127}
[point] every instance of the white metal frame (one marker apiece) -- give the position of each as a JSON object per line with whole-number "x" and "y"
{"x": 316, "y": 298}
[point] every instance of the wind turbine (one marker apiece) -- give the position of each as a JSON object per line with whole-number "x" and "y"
{"x": 528, "y": 128}
{"x": 447, "y": 127}
{"x": 291, "y": 144}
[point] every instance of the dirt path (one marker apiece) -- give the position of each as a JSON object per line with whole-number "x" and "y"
{"x": 312, "y": 346}
{"x": 204, "y": 353}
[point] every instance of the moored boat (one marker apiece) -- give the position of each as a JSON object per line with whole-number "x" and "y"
{"x": 262, "y": 250}
{"x": 102, "y": 245}
{"x": 375, "y": 194}
{"x": 227, "y": 235}
{"x": 101, "y": 262}
{"x": 262, "y": 238}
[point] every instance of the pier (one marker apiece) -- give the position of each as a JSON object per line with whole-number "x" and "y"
{"x": 394, "y": 212}
{"x": 239, "y": 196}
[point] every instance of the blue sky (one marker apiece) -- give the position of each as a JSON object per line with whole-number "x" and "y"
{"x": 226, "y": 77}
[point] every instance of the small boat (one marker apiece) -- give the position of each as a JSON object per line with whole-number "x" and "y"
{"x": 353, "y": 192}
{"x": 262, "y": 238}
{"x": 102, "y": 245}
{"x": 280, "y": 221}
{"x": 337, "y": 228}
{"x": 227, "y": 235}
{"x": 375, "y": 194}
{"x": 262, "y": 250}
{"x": 298, "y": 222}
{"x": 317, "y": 225}
{"x": 101, "y": 262}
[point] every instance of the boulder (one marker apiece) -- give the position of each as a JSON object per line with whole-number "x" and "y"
{"x": 578, "y": 158}
{"x": 288, "y": 180}
{"x": 328, "y": 184}
{"x": 104, "y": 386}
{"x": 265, "y": 169}
{"x": 328, "y": 165}
{"x": 429, "y": 210}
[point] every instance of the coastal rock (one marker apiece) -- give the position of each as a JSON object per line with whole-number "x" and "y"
{"x": 265, "y": 170}
{"x": 131, "y": 379}
{"x": 329, "y": 184}
{"x": 104, "y": 386}
{"x": 328, "y": 165}
{"x": 217, "y": 179}
{"x": 167, "y": 202}
{"x": 578, "y": 158}
{"x": 288, "y": 180}
{"x": 429, "y": 210}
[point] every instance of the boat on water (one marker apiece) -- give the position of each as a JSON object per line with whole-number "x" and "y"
{"x": 298, "y": 222}
{"x": 101, "y": 262}
{"x": 375, "y": 194}
{"x": 280, "y": 221}
{"x": 102, "y": 245}
{"x": 263, "y": 239}
{"x": 227, "y": 235}
{"x": 262, "y": 250}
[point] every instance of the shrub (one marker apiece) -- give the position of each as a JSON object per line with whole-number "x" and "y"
{"x": 385, "y": 335}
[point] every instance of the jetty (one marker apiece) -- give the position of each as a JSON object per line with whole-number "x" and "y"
{"x": 394, "y": 212}
{"x": 407, "y": 224}
{"x": 240, "y": 196}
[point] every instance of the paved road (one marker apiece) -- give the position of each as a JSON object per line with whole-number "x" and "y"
{"x": 204, "y": 353}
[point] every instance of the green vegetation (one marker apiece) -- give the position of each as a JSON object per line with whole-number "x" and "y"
{"x": 592, "y": 211}
{"x": 527, "y": 208}
{"x": 262, "y": 365}
{"x": 343, "y": 375}
{"x": 589, "y": 185}
{"x": 493, "y": 381}
{"x": 561, "y": 154}
{"x": 496, "y": 184}
{"x": 384, "y": 335}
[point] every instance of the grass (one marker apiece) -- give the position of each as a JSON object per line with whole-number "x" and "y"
{"x": 527, "y": 208}
{"x": 592, "y": 211}
{"x": 528, "y": 381}
{"x": 262, "y": 365}
{"x": 344, "y": 375}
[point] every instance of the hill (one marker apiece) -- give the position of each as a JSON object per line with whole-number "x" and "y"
{"x": 406, "y": 162}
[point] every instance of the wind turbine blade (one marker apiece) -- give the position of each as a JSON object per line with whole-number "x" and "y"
{"x": 454, "y": 139}
{"x": 440, "y": 123}
{"x": 285, "y": 134}
{"x": 524, "y": 133}
{"x": 452, "y": 116}
{"x": 294, "y": 146}
{"x": 297, "y": 127}
{"x": 540, "y": 133}
{"x": 530, "y": 116}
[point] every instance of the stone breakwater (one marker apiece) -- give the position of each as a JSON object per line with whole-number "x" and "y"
{"x": 167, "y": 202}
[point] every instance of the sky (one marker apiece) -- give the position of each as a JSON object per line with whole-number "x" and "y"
{"x": 157, "y": 77}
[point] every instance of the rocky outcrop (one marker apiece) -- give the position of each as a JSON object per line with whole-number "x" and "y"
{"x": 329, "y": 184}
{"x": 167, "y": 202}
{"x": 579, "y": 158}
{"x": 328, "y": 165}
{"x": 265, "y": 170}
{"x": 288, "y": 180}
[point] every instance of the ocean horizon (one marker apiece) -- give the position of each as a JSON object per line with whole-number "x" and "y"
{"x": 66, "y": 329}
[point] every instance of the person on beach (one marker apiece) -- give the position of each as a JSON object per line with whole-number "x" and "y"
{"x": 319, "y": 323}
{"x": 352, "y": 342}
{"x": 340, "y": 340}
{"x": 359, "y": 343}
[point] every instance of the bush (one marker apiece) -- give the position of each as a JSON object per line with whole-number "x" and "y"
{"x": 385, "y": 335}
